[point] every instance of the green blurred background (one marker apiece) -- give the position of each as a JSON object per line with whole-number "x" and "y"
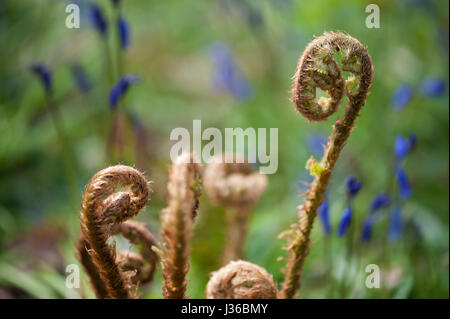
{"x": 228, "y": 63}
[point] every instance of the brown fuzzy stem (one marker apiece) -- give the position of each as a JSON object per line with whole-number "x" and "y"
{"x": 184, "y": 189}
{"x": 143, "y": 264}
{"x": 317, "y": 68}
{"x": 237, "y": 222}
{"x": 82, "y": 251}
{"x": 101, "y": 211}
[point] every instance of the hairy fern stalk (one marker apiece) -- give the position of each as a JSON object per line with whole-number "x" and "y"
{"x": 184, "y": 189}
{"x": 317, "y": 68}
{"x": 105, "y": 212}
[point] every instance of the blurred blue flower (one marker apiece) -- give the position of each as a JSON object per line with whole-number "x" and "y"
{"x": 402, "y": 96}
{"x": 124, "y": 33}
{"x": 353, "y": 186}
{"x": 403, "y": 183}
{"x": 227, "y": 73}
{"x": 115, "y": 2}
{"x": 395, "y": 223}
{"x": 81, "y": 79}
{"x": 316, "y": 144}
{"x": 323, "y": 212}
{"x": 120, "y": 88}
{"x": 433, "y": 87}
{"x": 44, "y": 74}
{"x": 403, "y": 145}
{"x": 345, "y": 221}
{"x": 97, "y": 19}
{"x": 366, "y": 233}
{"x": 380, "y": 201}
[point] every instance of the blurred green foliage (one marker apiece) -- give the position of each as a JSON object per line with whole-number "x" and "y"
{"x": 171, "y": 53}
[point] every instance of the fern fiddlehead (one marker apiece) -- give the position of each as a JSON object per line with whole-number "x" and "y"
{"x": 318, "y": 68}
{"x": 241, "y": 280}
{"x": 104, "y": 213}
